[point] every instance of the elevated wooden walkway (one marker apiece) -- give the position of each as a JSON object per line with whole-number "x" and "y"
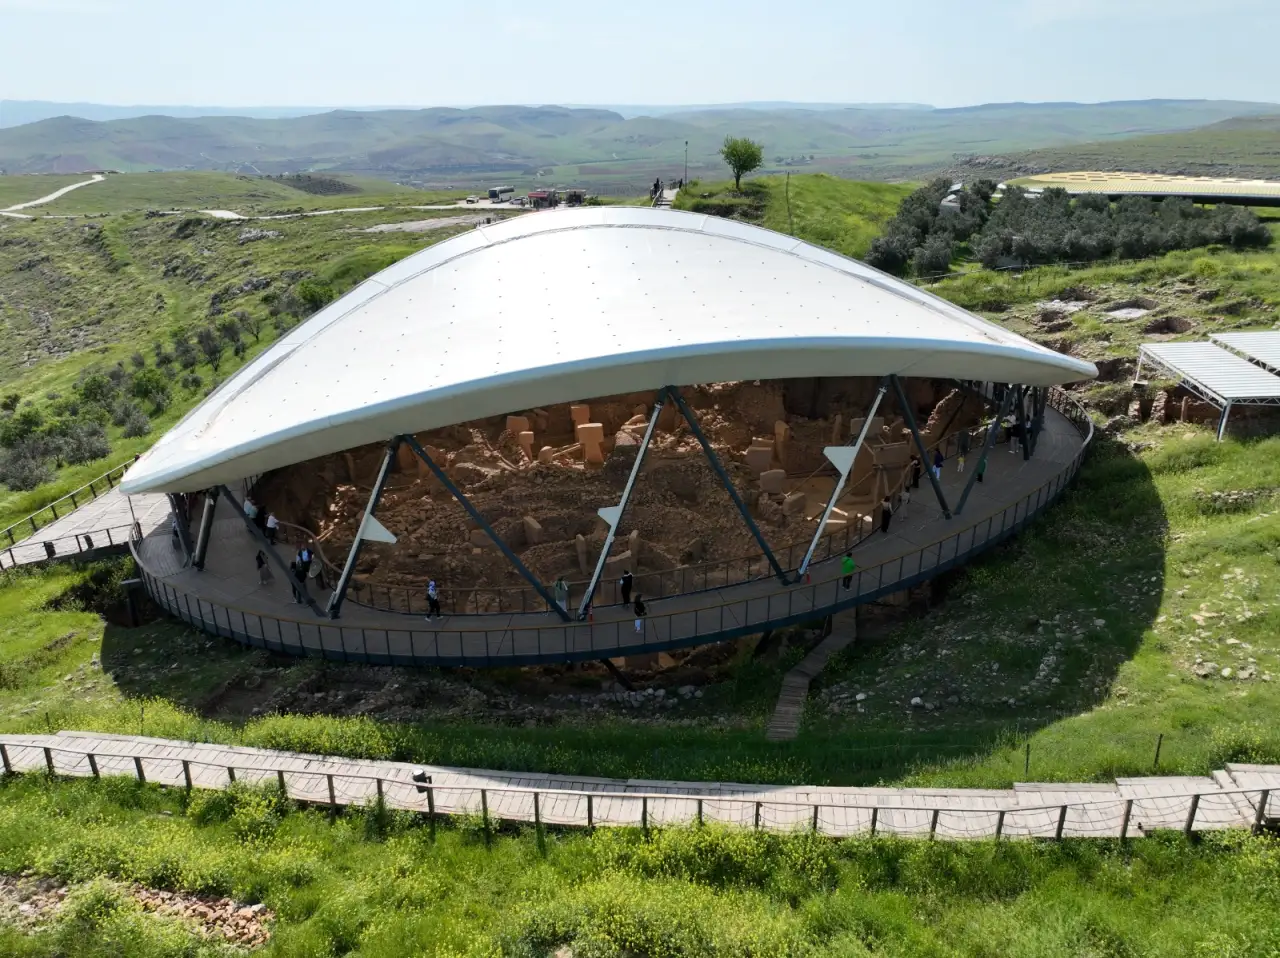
{"x": 1239, "y": 796}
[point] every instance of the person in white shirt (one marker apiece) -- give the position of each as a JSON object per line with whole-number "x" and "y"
{"x": 273, "y": 527}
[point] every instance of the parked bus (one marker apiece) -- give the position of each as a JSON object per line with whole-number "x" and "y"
{"x": 500, "y": 194}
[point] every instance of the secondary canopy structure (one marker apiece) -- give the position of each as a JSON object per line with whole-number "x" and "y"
{"x": 1262, "y": 348}
{"x": 551, "y": 307}
{"x": 1214, "y": 374}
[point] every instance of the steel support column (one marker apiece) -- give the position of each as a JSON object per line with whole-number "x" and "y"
{"x": 270, "y": 552}
{"x": 726, "y": 481}
{"x": 180, "y": 523}
{"x": 992, "y": 432}
{"x": 488, "y": 529}
{"x": 206, "y": 528}
{"x": 1222, "y": 423}
{"x": 612, "y": 515}
{"x": 924, "y": 453}
{"x": 344, "y": 580}
{"x": 1025, "y": 421}
{"x": 848, "y": 459}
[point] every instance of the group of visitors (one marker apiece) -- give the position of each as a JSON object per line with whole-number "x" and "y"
{"x": 265, "y": 520}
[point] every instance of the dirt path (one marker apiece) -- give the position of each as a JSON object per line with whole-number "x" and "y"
{"x": 56, "y": 194}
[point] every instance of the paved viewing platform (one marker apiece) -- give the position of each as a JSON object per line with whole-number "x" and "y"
{"x": 227, "y": 598}
{"x": 1237, "y": 797}
{"x": 98, "y": 527}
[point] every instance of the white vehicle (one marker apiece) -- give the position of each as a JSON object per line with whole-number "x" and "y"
{"x": 473, "y": 198}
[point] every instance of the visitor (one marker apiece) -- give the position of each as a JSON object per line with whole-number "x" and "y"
{"x": 177, "y": 536}
{"x": 251, "y": 509}
{"x": 938, "y": 460}
{"x": 264, "y": 570}
{"x": 625, "y": 584}
{"x": 273, "y": 527}
{"x": 640, "y": 614}
{"x": 298, "y": 578}
{"x": 433, "y": 600}
{"x": 886, "y": 512}
{"x": 962, "y": 449}
{"x": 982, "y": 467}
{"x": 304, "y": 561}
{"x": 915, "y": 472}
{"x": 904, "y": 500}
{"x": 960, "y": 463}
{"x": 561, "y": 588}
{"x": 847, "y": 567}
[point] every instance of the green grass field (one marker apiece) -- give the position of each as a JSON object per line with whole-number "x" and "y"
{"x": 248, "y": 195}
{"x": 23, "y": 189}
{"x": 843, "y": 215}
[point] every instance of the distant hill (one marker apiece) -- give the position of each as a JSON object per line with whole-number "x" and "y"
{"x": 597, "y": 146}
{"x": 1247, "y": 146}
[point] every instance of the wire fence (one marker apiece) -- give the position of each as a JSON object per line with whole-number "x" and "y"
{"x": 98, "y": 542}
{"x": 610, "y": 635}
{"x": 909, "y": 813}
{"x": 25, "y": 528}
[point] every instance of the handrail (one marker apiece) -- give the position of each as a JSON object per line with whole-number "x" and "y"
{"x": 581, "y": 640}
{"x": 426, "y": 794}
{"x": 73, "y": 495}
{"x": 459, "y": 600}
{"x": 116, "y": 537}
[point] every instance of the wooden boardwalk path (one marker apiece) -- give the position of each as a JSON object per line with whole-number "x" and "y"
{"x": 227, "y": 599}
{"x": 1239, "y": 796}
{"x": 99, "y": 527}
{"x": 785, "y": 724}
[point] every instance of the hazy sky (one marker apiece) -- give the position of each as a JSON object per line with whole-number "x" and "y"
{"x": 392, "y": 52}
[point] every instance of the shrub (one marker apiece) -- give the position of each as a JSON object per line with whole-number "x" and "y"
{"x": 211, "y": 346}
{"x": 10, "y": 402}
{"x": 138, "y": 360}
{"x": 149, "y": 384}
{"x": 136, "y": 424}
{"x": 84, "y": 442}
{"x": 20, "y": 426}
{"x": 313, "y": 295}
{"x": 24, "y": 467}
{"x": 191, "y": 381}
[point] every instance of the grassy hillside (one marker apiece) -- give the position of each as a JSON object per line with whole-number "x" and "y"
{"x": 842, "y": 215}
{"x": 596, "y": 148}
{"x": 1247, "y": 147}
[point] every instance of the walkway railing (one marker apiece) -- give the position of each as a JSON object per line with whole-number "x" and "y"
{"x": 910, "y": 816}
{"x": 30, "y": 552}
{"x": 682, "y": 580}
{"x": 518, "y": 644}
{"x": 25, "y": 528}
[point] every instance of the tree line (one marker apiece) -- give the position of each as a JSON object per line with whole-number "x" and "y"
{"x": 935, "y": 225}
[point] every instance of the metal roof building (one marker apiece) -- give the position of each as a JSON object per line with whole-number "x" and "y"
{"x": 1262, "y": 348}
{"x": 552, "y": 307}
{"x": 1214, "y": 374}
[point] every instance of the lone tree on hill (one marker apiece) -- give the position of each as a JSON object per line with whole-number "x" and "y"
{"x": 742, "y": 156}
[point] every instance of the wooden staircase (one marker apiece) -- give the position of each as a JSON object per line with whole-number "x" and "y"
{"x": 785, "y": 724}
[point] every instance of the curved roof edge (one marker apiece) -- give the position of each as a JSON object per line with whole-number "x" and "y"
{"x": 996, "y": 355}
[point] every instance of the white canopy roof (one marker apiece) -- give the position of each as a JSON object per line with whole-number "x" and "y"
{"x": 558, "y": 306}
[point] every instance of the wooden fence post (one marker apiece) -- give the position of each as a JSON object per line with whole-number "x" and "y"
{"x": 644, "y": 815}
{"x": 933, "y": 822}
{"x": 999, "y": 824}
{"x": 48, "y": 758}
{"x": 1191, "y": 815}
{"x": 333, "y": 803}
{"x": 1260, "y": 817}
{"x": 137, "y": 767}
{"x": 1062, "y": 820}
{"x": 4, "y": 758}
{"x": 186, "y": 773}
{"x": 93, "y": 764}
{"x": 875, "y": 813}
{"x": 815, "y": 818}
{"x": 231, "y": 775}
{"x": 431, "y": 811}
{"x": 284, "y": 789}
{"x": 758, "y": 804}
{"x": 484, "y": 812}
{"x": 1124, "y": 824}
{"x": 700, "y": 819}
{"x": 591, "y": 818}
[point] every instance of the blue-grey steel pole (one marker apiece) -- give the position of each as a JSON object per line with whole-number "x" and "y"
{"x": 270, "y": 552}
{"x": 839, "y": 486}
{"x": 206, "y": 528}
{"x": 924, "y": 454}
{"x": 990, "y": 441}
{"x": 480, "y": 520}
{"x": 1024, "y": 420}
{"x": 588, "y": 600}
{"x": 180, "y": 523}
{"x": 728, "y": 483}
{"x": 348, "y": 570}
